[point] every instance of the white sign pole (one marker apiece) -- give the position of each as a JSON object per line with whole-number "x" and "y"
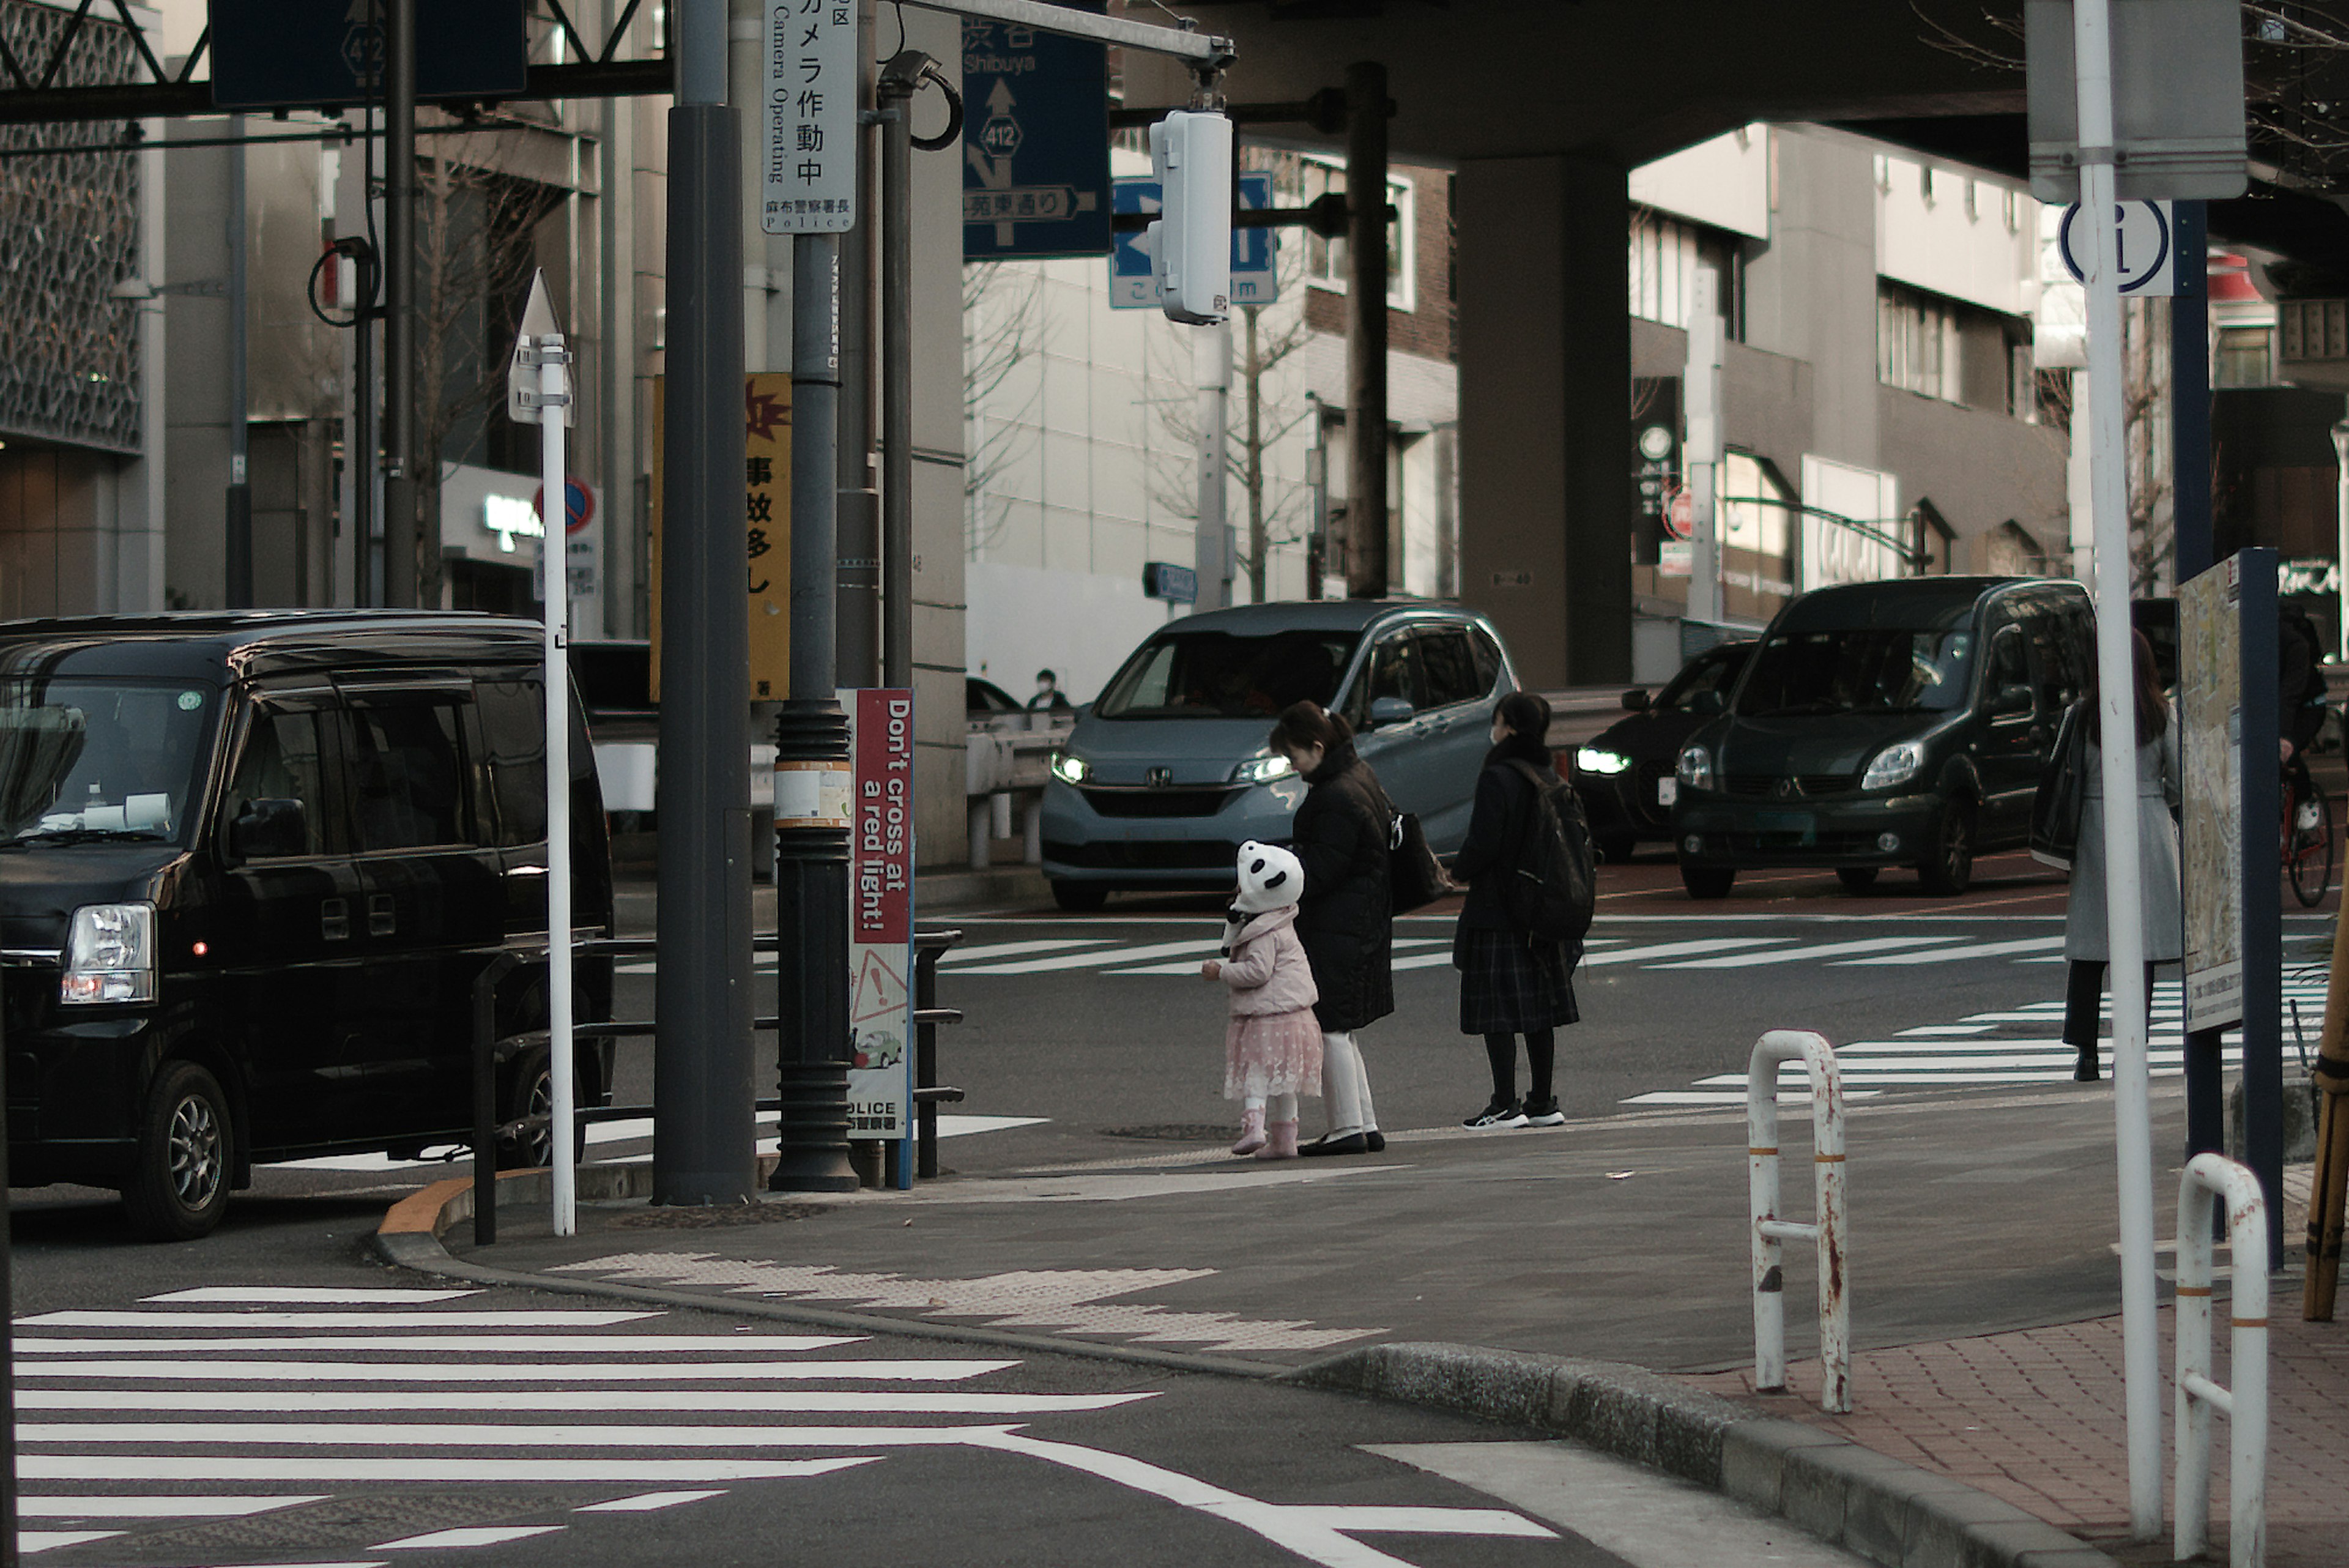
{"x": 539, "y": 345}
{"x": 1701, "y": 395}
{"x": 2116, "y": 712}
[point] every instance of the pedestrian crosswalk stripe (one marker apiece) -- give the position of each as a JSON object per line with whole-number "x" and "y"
{"x": 285, "y": 1295}
{"x": 1805, "y": 954}
{"x": 1971, "y": 951}
{"x": 1675, "y": 950}
{"x": 753, "y": 1401}
{"x": 649, "y": 1502}
{"x": 1204, "y": 948}
{"x": 467, "y": 1535}
{"x": 332, "y": 1319}
{"x": 1189, "y": 966}
{"x": 633, "y": 1469}
{"x": 1007, "y": 950}
{"x": 105, "y": 1505}
{"x": 447, "y": 1372}
{"x": 473, "y": 1343}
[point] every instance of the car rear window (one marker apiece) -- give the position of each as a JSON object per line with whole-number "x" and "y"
{"x": 1221, "y": 674}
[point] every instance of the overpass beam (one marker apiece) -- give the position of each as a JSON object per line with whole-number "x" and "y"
{"x": 1545, "y": 342}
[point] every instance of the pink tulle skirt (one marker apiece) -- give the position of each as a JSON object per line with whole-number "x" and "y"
{"x": 1273, "y": 1053}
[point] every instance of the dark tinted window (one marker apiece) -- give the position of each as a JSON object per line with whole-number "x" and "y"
{"x": 2057, "y": 672}
{"x": 2010, "y": 661}
{"x": 1393, "y": 672}
{"x": 1451, "y": 669}
{"x": 282, "y": 760}
{"x": 513, "y": 730}
{"x": 1487, "y": 654}
{"x": 1218, "y": 674}
{"x": 408, "y": 774}
{"x": 1714, "y": 671}
{"x": 1874, "y": 670}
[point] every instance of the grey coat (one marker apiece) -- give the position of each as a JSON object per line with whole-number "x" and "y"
{"x": 2085, "y": 936}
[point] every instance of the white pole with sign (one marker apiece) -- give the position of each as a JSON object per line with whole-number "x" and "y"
{"x": 1701, "y": 395}
{"x": 2117, "y": 714}
{"x": 538, "y": 392}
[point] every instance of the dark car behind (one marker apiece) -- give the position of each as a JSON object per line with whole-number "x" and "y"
{"x": 1624, "y": 774}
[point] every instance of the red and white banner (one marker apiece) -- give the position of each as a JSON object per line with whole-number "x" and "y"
{"x": 881, "y": 915}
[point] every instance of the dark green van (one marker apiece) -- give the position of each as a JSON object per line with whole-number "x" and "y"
{"x": 1893, "y": 723}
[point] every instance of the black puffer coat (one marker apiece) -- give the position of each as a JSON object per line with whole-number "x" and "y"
{"x": 1496, "y": 829}
{"x": 1343, "y": 921}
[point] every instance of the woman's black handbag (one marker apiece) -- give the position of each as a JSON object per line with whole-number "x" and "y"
{"x": 2063, "y": 792}
{"x": 1414, "y": 876}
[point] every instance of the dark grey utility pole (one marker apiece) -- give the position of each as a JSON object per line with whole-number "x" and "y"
{"x": 858, "y": 555}
{"x": 899, "y": 78}
{"x": 399, "y": 454}
{"x": 239, "y": 488}
{"x": 703, "y": 1093}
{"x": 1366, "y": 330}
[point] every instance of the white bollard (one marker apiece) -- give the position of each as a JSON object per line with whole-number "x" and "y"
{"x": 1769, "y": 1229}
{"x": 2246, "y": 1403}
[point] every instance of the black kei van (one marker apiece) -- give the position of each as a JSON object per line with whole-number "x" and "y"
{"x": 250, "y": 867}
{"x": 1893, "y": 723}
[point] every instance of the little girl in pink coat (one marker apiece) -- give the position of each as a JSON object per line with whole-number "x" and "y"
{"x": 1272, "y": 1049}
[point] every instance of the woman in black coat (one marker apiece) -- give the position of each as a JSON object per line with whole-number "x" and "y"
{"x": 1511, "y": 982}
{"x": 1342, "y": 833}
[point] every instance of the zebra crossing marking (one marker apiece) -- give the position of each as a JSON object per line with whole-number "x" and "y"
{"x": 1676, "y": 950}
{"x": 1804, "y": 954}
{"x": 469, "y": 1535}
{"x": 1971, "y": 951}
{"x": 650, "y": 1502}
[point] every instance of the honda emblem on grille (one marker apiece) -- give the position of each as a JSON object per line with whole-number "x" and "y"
{"x": 1158, "y": 778}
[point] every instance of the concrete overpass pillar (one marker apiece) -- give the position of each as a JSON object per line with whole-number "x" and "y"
{"x": 1545, "y": 337}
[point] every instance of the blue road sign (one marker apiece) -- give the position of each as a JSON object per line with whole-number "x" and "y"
{"x": 1256, "y": 253}
{"x": 272, "y": 54}
{"x": 1035, "y": 143}
{"x": 1177, "y": 584}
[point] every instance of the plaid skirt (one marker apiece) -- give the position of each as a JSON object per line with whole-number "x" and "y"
{"x": 1509, "y": 987}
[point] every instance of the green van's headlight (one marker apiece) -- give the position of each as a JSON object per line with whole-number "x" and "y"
{"x": 110, "y": 954}
{"x": 1263, "y": 770}
{"x": 1069, "y": 768}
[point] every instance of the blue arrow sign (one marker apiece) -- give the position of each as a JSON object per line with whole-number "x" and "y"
{"x": 1035, "y": 143}
{"x": 1256, "y": 253}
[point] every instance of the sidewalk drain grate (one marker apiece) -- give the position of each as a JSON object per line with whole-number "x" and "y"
{"x": 349, "y": 1520}
{"x": 711, "y": 1217}
{"x": 1176, "y": 1132}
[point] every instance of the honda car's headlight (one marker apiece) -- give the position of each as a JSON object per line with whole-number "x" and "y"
{"x": 1599, "y": 760}
{"x": 1696, "y": 767}
{"x": 1895, "y": 764}
{"x": 111, "y": 954}
{"x": 1069, "y": 768}
{"x": 1263, "y": 770}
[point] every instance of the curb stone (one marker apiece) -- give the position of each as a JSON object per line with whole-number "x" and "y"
{"x": 1849, "y": 1496}
{"x": 1889, "y": 1512}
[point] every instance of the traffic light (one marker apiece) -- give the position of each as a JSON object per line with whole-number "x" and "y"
{"x": 1191, "y": 243}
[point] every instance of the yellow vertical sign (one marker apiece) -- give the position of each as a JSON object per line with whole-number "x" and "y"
{"x": 766, "y": 529}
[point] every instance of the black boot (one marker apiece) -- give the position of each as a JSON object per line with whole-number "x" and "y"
{"x": 2085, "y": 1071}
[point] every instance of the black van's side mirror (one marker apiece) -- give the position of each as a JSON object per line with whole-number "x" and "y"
{"x": 2016, "y": 698}
{"x": 1635, "y": 699}
{"x": 1708, "y": 704}
{"x": 268, "y": 827}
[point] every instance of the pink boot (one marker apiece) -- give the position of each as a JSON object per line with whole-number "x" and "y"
{"x": 1283, "y": 1144}
{"x": 1252, "y": 1130}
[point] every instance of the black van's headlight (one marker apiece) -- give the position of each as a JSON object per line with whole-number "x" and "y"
{"x": 1895, "y": 764}
{"x": 110, "y": 954}
{"x": 1695, "y": 768}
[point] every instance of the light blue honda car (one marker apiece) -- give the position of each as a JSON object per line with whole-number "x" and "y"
{"x": 1169, "y": 771}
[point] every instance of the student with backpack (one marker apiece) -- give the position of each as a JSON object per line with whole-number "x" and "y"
{"x": 1527, "y": 865}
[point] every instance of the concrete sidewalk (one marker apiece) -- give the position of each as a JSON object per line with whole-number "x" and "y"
{"x": 1558, "y": 1263}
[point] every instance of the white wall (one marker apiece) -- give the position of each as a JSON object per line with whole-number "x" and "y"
{"x": 1724, "y": 183}
{"x": 1988, "y": 255}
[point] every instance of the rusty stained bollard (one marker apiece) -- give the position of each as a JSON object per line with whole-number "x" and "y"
{"x": 2246, "y": 1403}
{"x": 1769, "y": 1229}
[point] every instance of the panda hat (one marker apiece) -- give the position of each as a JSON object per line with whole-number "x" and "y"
{"x": 1270, "y": 879}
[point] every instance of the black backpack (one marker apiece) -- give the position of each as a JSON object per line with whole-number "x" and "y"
{"x": 1553, "y": 880}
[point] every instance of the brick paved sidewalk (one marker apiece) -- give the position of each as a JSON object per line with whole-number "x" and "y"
{"x": 2035, "y": 1417}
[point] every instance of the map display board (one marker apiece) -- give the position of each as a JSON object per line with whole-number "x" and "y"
{"x": 2210, "y": 750}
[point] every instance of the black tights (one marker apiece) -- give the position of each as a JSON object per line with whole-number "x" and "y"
{"x": 1541, "y": 1053}
{"x": 2083, "y": 996}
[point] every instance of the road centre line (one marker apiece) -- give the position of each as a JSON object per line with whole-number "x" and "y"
{"x": 465, "y": 1372}
{"x": 1804, "y": 954}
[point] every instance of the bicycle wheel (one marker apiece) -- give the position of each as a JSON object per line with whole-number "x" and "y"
{"x": 2308, "y": 845}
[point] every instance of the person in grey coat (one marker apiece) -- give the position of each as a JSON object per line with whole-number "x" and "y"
{"x": 2086, "y": 943}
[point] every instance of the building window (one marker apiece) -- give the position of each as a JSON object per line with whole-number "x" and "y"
{"x": 1325, "y": 259}
{"x": 1916, "y": 344}
{"x": 1664, "y": 257}
{"x": 2245, "y": 358}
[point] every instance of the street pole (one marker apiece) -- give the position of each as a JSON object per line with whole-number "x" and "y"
{"x": 1366, "y": 331}
{"x": 703, "y": 1125}
{"x": 1703, "y": 395}
{"x": 894, "y": 95}
{"x": 812, "y": 764}
{"x": 858, "y": 554}
{"x": 240, "y": 489}
{"x": 400, "y": 538}
{"x": 2117, "y": 712}
{"x": 1211, "y": 372}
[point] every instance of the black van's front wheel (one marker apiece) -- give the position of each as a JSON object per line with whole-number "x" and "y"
{"x": 1951, "y": 867}
{"x": 533, "y": 1097}
{"x": 178, "y": 1186}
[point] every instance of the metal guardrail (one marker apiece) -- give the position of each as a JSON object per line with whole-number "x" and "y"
{"x": 490, "y": 1047}
{"x": 2245, "y": 1405}
{"x": 1826, "y": 1229}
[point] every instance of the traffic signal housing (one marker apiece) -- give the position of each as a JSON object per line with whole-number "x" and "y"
{"x": 1191, "y": 243}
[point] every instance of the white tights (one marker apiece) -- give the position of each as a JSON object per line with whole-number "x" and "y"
{"x": 1283, "y": 1107}
{"x": 1346, "y": 1087}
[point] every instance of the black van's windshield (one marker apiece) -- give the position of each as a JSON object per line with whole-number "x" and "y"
{"x": 90, "y": 759}
{"x": 1874, "y": 670}
{"x": 1216, "y": 674}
